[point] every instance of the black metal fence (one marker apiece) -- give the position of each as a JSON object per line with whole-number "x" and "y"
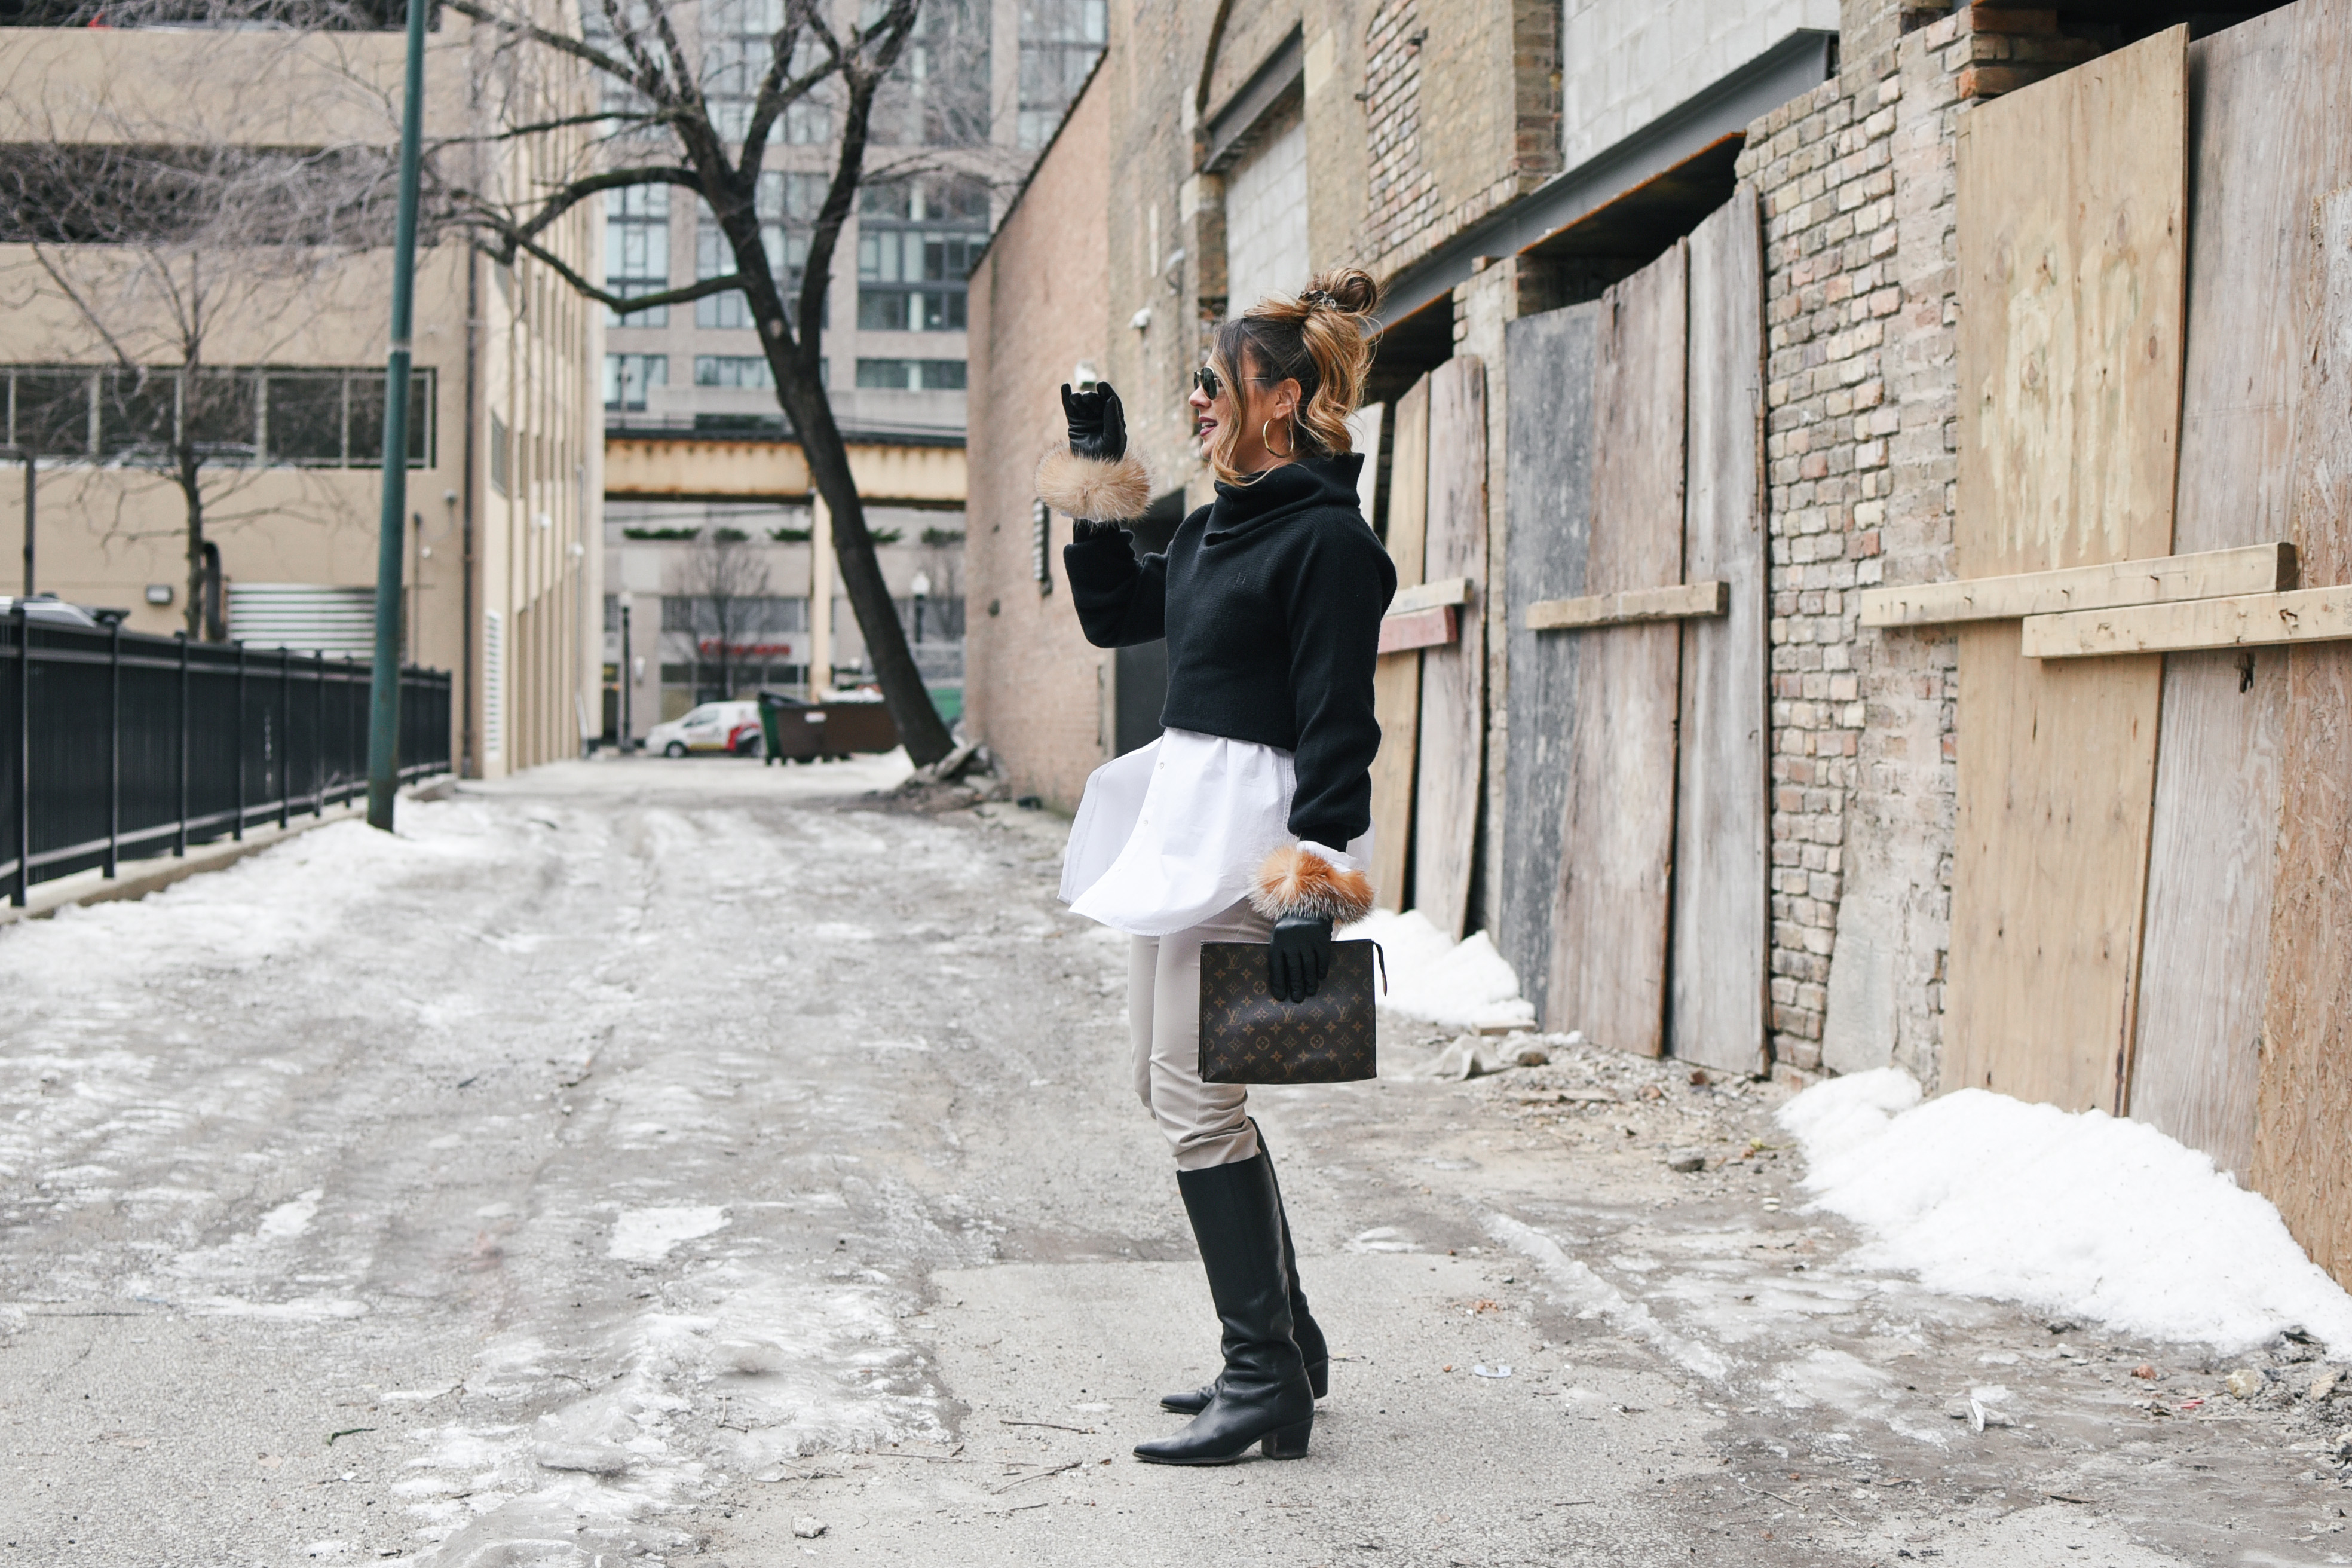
{"x": 117, "y": 744}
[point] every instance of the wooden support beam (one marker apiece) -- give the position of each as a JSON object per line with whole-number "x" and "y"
{"x": 1435, "y": 628}
{"x": 2242, "y": 620}
{"x": 1631, "y": 607}
{"x": 2157, "y": 580}
{"x": 1430, "y": 595}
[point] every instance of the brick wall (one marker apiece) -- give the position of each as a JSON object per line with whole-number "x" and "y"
{"x": 1036, "y": 312}
{"x": 1861, "y": 390}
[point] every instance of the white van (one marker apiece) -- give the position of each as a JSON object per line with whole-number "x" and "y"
{"x": 712, "y": 727}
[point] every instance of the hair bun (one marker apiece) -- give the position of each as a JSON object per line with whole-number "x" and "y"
{"x": 1349, "y": 289}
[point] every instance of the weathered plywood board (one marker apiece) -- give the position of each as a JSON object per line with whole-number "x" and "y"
{"x": 1453, "y": 678}
{"x": 1682, "y": 602}
{"x": 1609, "y": 929}
{"x": 2250, "y": 569}
{"x": 1431, "y": 596}
{"x": 1420, "y": 629}
{"x": 2265, "y": 141}
{"x": 2070, "y": 344}
{"x": 2302, "y": 1141}
{"x": 1721, "y": 958}
{"x": 2242, "y": 620}
{"x": 1396, "y": 682}
{"x": 2199, "y": 1058}
{"x": 1549, "y": 495}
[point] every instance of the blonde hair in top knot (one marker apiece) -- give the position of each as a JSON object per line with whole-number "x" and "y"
{"x": 1322, "y": 338}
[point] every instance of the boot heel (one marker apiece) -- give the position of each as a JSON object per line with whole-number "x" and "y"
{"x": 1290, "y": 1443}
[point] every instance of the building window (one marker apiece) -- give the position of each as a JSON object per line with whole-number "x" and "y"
{"x": 787, "y": 203}
{"x": 746, "y": 371}
{"x": 917, "y": 241}
{"x": 637, "y": 250}
{"x": 627, "y": 377}
{"x": 1060, "y": 41}
{"x": 502, "y": 456}
{"x": 938, "y": 96}
{"x": 912, "y": 375}
{"x": 268, "y": 415}
{"x": 737, "y": 48}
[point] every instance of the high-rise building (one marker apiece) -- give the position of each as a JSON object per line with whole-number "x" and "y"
{"x": 980, "y": 90}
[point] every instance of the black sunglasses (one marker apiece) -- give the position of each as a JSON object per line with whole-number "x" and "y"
{"x": 1211, "y": 385}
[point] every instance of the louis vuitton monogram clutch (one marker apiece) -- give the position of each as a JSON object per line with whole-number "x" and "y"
{"x": 1250, "y": 1036}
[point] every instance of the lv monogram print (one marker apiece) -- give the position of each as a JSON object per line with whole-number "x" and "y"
{"x": 1248, "y": 1036}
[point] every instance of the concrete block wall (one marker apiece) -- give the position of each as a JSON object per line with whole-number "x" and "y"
{"x": 1628, "y": 61}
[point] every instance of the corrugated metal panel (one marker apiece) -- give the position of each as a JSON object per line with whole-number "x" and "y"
{"x": 302, "y": 616}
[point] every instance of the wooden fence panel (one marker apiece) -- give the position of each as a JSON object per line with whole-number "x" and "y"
{"x": 2265, "y": 146}
{"x": 1549, "y": 496}
{"x": 1609, "y": 925}
{"x": 2304, "y": 1123}
{"x": 2070, "y": 353}
{"x": 1396, "y": 682}
{"x": 1721, "y": 954}
{"x": 1453, "y": 680}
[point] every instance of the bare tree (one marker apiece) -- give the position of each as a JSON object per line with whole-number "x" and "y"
{"x": 155, "y": 247}
{"x": 724, "y": 575}
{"x": 696, "y": 107}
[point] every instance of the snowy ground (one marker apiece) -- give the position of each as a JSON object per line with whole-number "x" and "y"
{"x": 635, "y": 1160}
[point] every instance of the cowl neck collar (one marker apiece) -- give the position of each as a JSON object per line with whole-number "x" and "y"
{"x": 1280, "y": 492}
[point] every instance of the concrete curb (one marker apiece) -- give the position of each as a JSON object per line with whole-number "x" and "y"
{"x": 137, "y": 879}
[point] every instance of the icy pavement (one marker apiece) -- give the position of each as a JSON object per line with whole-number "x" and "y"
{"x": 636, "y": 1162}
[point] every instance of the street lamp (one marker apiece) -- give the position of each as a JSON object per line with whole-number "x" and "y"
{"x": 922, "y": 587}
{"x": 628, "y": 674}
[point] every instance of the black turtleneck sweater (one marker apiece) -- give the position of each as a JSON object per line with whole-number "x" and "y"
{"x": 1270, "y": 598}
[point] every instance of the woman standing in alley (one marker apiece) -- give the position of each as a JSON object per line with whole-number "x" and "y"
{"x": 1249, "y": 820}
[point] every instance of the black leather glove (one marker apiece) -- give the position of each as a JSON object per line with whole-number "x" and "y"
{"x": 1298, "y": 957}
{"x": 1097, "y": 422}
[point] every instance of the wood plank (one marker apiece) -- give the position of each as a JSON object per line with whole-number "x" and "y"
{"x": 1396, "y": 682}
{"x": 1609, "y": 929}
{"x": 2196, "y": 1065}
{"x": 1430, "y": 595}
{"x": 1635, "y": 607}
{"x": 1549, "y": 443}
{"x": 2249, "y": 569}
{"x": 2265, "y": 143}
{"x": 2070, "y": 344}
{"x": 1423, "y": 628}
{"x": 1720, "y": 964}
{"x": 1453, "y": 678}
{"x": 2242, "y": 620}
{"x": 2303, "y": 1121}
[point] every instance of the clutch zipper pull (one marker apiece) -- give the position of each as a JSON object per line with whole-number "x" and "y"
{"x": 1383, "y": 960}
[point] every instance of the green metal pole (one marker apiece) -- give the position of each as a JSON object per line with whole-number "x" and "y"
{"x": 383, "y": 696}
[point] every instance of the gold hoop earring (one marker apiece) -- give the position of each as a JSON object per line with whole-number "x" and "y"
{"x": 1265, "y": 441}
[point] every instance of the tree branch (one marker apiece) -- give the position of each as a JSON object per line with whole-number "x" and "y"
{"x": 571, "y": 196}
{"x": 562, "y": 43}
{"x": 623, "y": 303}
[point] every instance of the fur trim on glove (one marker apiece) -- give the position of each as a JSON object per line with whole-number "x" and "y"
{"x": 1295, "y": 881}
{"x": 1099, "y": 489}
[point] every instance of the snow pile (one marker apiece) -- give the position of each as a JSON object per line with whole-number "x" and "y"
{"x": 1462, "y": 984}
{"x": 2098, "y": 1218}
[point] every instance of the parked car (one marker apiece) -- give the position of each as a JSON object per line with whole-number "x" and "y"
{"x": 50, "y": 610}
{"x": 711, "y": 727}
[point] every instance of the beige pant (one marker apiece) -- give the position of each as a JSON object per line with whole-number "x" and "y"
{"x": 1207, "y": 1123}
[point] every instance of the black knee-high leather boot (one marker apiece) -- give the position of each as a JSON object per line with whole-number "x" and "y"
{"x": 1304, "y": 1331}
{"x": 1263, "y": 1394}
